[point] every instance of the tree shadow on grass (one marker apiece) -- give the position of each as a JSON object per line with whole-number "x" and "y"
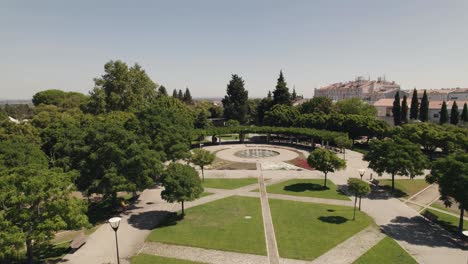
{"x": 302, "y": 187}
{"x": 152, "y": 219}
{"x": 333, "y": 219}
{"x": 396, "y": 193}
{"x": 47, "y": 253}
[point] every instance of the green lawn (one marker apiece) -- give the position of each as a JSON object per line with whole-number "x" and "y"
{"x": 228, "y": 183}
{"x": 387, "y": 251}
{"x": 312, "y": 188}
{"x": 150, "y": 259}
{"x": 447, "y": 221}
{"x": 405, "y": 187}
{"x": 307, "y": 230}
{"x": 205, "y": 194}
{"x": 217, "y": 225}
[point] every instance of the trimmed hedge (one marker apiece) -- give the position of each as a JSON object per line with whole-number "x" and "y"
{"x": 309, "y": 133}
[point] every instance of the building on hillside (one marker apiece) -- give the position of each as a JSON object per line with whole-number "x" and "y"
{"x": 443, "y": 94}
{"x": 384, "y": 109}
{"x": 367, "y": 90}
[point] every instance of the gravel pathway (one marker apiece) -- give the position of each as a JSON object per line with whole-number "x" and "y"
{"x": 351, "y": 249}
{"x": 272, "y": 247}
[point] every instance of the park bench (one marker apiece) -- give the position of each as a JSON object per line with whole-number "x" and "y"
{"x": 78, "y": 241}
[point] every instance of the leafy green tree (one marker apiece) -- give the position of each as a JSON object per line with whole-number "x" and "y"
{"x": 464, "y": 115}
{"x": 451, "y": 174}
{"x": 11, "y": 239}
{"x": 358, "y": 188}
{"x": 60, "y": 98}
{"x": 404, "y": 110}
{"x": 187, "y": 97}
{"x": 320, "y": 104}
{"x": 123, "y": 88}
{"x": 252, "y": 106}
{"x": 355, "y": 106}
{"x": 263, "y": 106}
{"x": 396, "y": 157}
{"x": 232, "y": 123}
{"x": 281, "y": 115}
{"x": 454, "y": 114}
{"x": 281, "y": 93}
{"x": 162, "y": 90}
{"x": 396, "y": 110}
{"x": 18, "y": 152}
{"x": 202, "y": 121}
{"x": 325, "y": 161}
{"x": 168, "y": 124}
{"x": 424, "y": 108}
{"x": 414, "y": 109}
{"x": 216, "y": 111}
{"x": 38, "y": 202}
{"x": 235, "y": 101}
{"x": 444, "y": 116}
{"x": 201, "y": 158}
{"x": 181, "y": 184}
{"x": 343, "y": 143}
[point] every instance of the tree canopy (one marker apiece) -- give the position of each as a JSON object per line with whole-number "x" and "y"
{"x": 181, "y": 184}
{"x": 325, "y": 161}
{"x": 396, "y": 157}
{"x": 355, "y": 106}
{"x": 320, "y": 104}
{"x": 358, "y": 188}
{"x": 121, "y": 88}
{"x": 201, "y": 158}
{"x": 451, "y": 174}
{"x": 60, "y": 98}
{"x": 281, "y": 93}
{"x": 281, "y": 115}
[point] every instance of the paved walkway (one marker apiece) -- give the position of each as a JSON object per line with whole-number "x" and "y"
{"x": 272, "y": 247}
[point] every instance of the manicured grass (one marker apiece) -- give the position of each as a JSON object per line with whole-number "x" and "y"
{"x": 229, "y": 184}
{"x": 307, "y": 230}
{"x": 205, "y": 194}
{"x": 447, "y": 221}
{"x": 310, "y": 187}
{"x": 404, "y": 187}
{"x": 151, "y": 259}
{"x": 217, "y": 225}
{"x": 387, "y": 251}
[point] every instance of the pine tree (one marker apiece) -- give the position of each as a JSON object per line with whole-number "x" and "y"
{"x": 281, "y": 94}
{"x": 396, "y": 110}
{"x": 174, "y": 93}
{"x": 235, "y": 102}
{"x": 269, "y": 95}
{"x": 180, "y": 95}
{"x": 454, "y": 115}
{"x": 464, "y": 115}
{"x": 414, "y": 105}
{"x": 162, "y": 90}
{"x": 424, "y": 109}
{"x": 443, "y": 114}
{"x": 294, "y": 95}
{"x": 187, "y": 96}
{"x": 404, "y": 110}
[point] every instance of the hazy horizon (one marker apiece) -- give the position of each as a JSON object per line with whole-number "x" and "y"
{"x": 199, "y": 44}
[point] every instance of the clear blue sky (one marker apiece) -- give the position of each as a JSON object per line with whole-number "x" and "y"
{"x": 199, "y": 44}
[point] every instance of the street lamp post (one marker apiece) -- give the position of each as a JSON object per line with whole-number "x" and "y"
{"x": 114, "y": 222}
{"x": 361, "y": 173}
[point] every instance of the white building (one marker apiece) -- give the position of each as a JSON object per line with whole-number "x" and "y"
{"x": 443, "y": 94}
{"x": 367, "y": 90}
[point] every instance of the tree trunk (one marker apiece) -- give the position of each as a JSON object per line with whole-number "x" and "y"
{"x": 354, "y": 212}
{"x": 29, "y": 249}
{"x": 460, "y": 224}
{"x": 325, "y": 182}
{"x": 183, "y": 211}
{"x": 202, "y": 173}
{"x": 393, "y": 183}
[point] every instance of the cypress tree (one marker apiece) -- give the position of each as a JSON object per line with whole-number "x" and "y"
{"x": 396, "y": 110}
{"x": 187, "y": 96}
{"x": 294, "y": 95}
{"x": 464, "y": 115}
{"x": 235, "y": 102}
{"x": 174, "y": 93}
{"x": 414, "y": 105}
{"x": 404, "y": 110}
{"x": 443, "y": 114}
{"x": 162, "y": 90}
{"x": 454, "y": 115}
{"x": 281, "y": 94}
{"x": 269, "y": 95}
{"x": 424, "y": 109}
{"x": 180, "y": 95}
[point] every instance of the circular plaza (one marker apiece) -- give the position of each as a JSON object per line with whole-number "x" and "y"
{"x": 254, "y": 153}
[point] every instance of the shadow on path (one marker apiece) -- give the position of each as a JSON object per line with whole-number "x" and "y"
{"x": 417, "y": 231}
{"x": 148, "y": 220}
